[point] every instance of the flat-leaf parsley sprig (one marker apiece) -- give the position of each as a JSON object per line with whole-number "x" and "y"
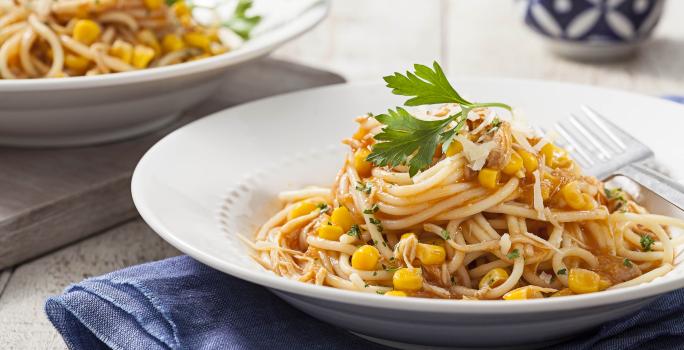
{"x": 407, "y": 140}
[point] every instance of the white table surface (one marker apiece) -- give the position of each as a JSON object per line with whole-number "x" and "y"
{"x": 362, "y": 40}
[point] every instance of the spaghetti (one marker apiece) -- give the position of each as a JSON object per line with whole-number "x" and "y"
{"x": 62, "y": 38}
{"x": 500, "y": 212}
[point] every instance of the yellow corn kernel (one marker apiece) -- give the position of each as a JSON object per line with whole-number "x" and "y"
{"x": 396, "y": 293}
{"x": 514, "y": 165}
{"x": 430, "y": 254}
{"x": 74, "y": 62}
{"x": 122, "y": 50}
{"x": 86, "y": 31}
{"x": 330, "y": 232}
{"x": 562, "y": 293}
{"x": 362, "y": 166}
{"x": 150, "y": 39}
{"x": 523, "y": 293}
{"x": 142, "y": 55}
{"x": 172, "y": 42}
{"x": 407, "y": 235}
{"x": 198, "y": 40}
{"x": 153, "y": 4}
{"x": 300, "y": 209}
{"x": 494, "y": 278}
{"x": 588, "y": 202}
{"x": 365, "y": 258}
{"x": 185, "y": 21}
{"x": 454, "y": 148}
{"x": 342, "y": 218}
{"x": 582, "y": 281}
{"x": 573, "y": 195}
{"x": 530, "y": 161}
{"x": 553, "y": 155}
{"x": 488, "y": 178}
{"x": 604, "y": 284}
{"x": 410, "y": 279}
{"x": 180, "y": 8}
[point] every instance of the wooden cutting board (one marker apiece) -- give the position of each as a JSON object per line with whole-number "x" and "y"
{"x": 52, "y": 197}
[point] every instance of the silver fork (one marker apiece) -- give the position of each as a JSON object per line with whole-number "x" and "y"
{"x": 605, "y": 151}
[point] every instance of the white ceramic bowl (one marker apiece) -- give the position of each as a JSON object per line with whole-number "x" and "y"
{"x": 217, "y": 177}
{"x": 85, "y": 110}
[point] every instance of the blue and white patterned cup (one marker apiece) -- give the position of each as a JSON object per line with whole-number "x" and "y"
{"x": 593, "y": 29}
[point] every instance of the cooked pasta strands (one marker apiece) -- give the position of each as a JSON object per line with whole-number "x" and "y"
{"x": 502, "y": 231}
{"x": 435, "y": 193}
{"x": 330, "y": 245}
{"x": 435, "y": 210}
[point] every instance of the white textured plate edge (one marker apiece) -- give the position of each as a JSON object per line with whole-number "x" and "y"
{"x": 268, "y": 42}
{"x": 367, "y": 299}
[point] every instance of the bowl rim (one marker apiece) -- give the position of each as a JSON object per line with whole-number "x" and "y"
{"x": 266, "y": 42}
{"x": 372, "y": 300}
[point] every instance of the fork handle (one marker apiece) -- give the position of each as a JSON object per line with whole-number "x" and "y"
{"x": 659, "y": 184}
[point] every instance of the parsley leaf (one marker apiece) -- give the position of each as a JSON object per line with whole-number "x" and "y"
{"x": 514, "y": 254}
{"x": 445, "y": 234}
{"x": 562, "y": 272}
{"x": 354, "y": 231}
{"x": 646, "y": 243}
{"x": 405, "y": 136}
{"x": 627, "y": 262}
{"x": 323, "y": 207}
{"x": 242, "y": 23}
{"x": 374, "y": 221}
{"x": 407, "y": 140}
{"x": 363, "y": 187}
{"x": 372, "y": 209}
{"x": 428, "y": 86}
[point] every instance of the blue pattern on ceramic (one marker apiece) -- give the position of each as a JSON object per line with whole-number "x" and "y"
{"x": 607, "y": 21}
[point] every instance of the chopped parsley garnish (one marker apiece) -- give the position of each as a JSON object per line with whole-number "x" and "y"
{"x": 406, "y": 140}
{"x": 323, "y": 207}
{"x": 617, "y": 195}
{"x": 242, "y": 23}
{"x": 374, "y": 221}
{"x": 646, "y": 243}
{"x": 363, "y": 187}
{"x": 495, "y": 125}
{"x": 375, "y": 273}
{"x": 354, "y": 231}
{"x": 514, "y": 254}
{"x": 453, "y": 280}
{"x": 627, "y": 262}
{"x": 391, "y": 268}
{"x": 380, "y": 292}
{"x": 445, "y": 235}
{"x": 562, "y": 272}
{"x": 372, "y": 209}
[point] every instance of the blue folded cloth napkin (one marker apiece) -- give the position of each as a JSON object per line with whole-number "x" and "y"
{"x": 179, "y": 303}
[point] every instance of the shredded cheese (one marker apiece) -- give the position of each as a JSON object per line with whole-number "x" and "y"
{"x": 475, "y": 153}
{"x": 538, "y": 199}
{"x": 521, "y": 139}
